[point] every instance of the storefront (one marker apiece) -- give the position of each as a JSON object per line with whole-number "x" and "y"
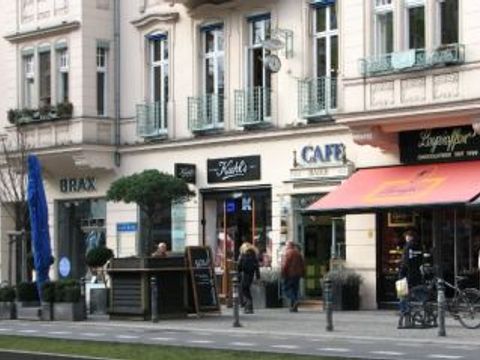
{"x": 434, "y": 192}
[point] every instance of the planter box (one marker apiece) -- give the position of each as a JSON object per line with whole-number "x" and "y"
{"x": 8, "y": 310}
{"x": 98, "y": 301}
{"x": 27, "y": 310}
{"x": 345, "y": 297}
{"x": 265, "y": 295}
{"x": 69, "y": 311}
{"x": 47, "y": 312}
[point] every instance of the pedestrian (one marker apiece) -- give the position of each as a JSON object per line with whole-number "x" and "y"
{"x": 293, "y": 269}
{"x": 248, "y": 269}
{"x": 410, "y": 268}
{"x": 161, "y": 251}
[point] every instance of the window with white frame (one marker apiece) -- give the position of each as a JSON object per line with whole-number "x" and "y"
{"x": 214, "y": 69}
{"x": 326, "y": 41}
{"x": 102, "y": 67}
{"x": 383, "y": 26}
{"x": 28, "y": 80}
{"x": 260, "y": 30}
{"x": 45, "y": 88}
{"x": 159, "y": 70}
{"x": 62, "y": 75}
{"x": 448, "y": 19}
{"x": 415, "y": 24}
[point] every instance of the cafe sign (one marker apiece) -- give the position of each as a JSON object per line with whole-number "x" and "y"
{"x": 442, "y": 144}
{"x": 313, "y": 155}
{"x": 76, "y": 185}
{"x": 186, "y": 172}
{"x": 245, "y": 168}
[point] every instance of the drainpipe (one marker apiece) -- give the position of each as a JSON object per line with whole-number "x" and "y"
{"x": 116, "y": 66}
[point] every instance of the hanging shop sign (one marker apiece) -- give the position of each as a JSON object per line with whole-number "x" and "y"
{"x": 322, "y": 154}
{"x": 186, "y": 172}
{"x": 64, "y": 267}
{"x": 442, "y": 144}
{"x": 75, "y": 185}
{"x": 245, "y": 168}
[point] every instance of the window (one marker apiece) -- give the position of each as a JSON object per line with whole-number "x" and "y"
{"x": 62, "y": 67}
{"x": 29, "y": 80}
{"x": 214, "y": 70}
{"x": 448, "y": 22}
{"x": 159, "y": 70}
{"x": 415, "y": 25}
{"x": 383, "y": 27}
{"x": 102, "y": 63}
{"x": 260, "y": 30}
{"x": 326, "y": 41}
{"x": 45, "y": 78}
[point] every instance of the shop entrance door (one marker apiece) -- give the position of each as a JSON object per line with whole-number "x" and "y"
{"x": 317, "y": 248}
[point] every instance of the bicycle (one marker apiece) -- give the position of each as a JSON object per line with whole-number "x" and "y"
{"x": 464, "y": 306}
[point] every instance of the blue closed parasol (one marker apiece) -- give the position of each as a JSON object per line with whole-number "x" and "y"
{"x": 37, "y": 205}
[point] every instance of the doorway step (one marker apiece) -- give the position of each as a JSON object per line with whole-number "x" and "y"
{"x": 311, "y": 304}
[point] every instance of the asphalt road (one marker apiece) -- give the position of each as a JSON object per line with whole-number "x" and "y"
{"x": 345, "y": 346}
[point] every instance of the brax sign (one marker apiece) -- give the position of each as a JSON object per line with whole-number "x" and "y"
{"x": 73, "y": 185}
{"x": 245, "y": 168}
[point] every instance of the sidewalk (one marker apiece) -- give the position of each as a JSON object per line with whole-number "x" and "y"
{"x": 361, "y": 325}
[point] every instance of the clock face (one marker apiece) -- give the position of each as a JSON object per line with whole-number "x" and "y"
{"x": 273, "y": 63}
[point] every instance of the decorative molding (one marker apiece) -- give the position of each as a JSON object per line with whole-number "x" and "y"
{"x": 156, "y": 18}
{"x": 375, "y": 137}
{"x": 413, "y": 90}
{"x": 382, "y": 94}
{"x": 42, "y": 32}
{"x": 446, "y": 86}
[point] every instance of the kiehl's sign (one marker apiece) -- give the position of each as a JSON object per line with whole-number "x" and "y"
{"x": 245, "y": 168}
{"x": 75, "y": 185}
{"x": 442, "y": 144}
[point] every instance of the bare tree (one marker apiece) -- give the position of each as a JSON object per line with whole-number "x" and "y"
{"x": 13, "y": 192}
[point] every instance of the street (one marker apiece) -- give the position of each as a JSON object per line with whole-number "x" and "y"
{"x": 19, "y": 355}
{"x": 302, "y": 333}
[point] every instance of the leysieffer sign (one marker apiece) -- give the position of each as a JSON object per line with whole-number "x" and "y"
{"x": 245, "y": 168}
{"x": 443, "y": 144}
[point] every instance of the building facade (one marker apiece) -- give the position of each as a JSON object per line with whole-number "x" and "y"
{"x": 263, "y": 106}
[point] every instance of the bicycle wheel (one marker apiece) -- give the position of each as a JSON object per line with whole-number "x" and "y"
{"x": 468, "y": 308}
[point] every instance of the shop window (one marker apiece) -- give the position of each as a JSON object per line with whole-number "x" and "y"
{"x": 161, "y": 229}
{"x": 448, "y": 21}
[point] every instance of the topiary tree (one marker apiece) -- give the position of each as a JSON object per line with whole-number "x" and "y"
{"x": 149, "y": 189}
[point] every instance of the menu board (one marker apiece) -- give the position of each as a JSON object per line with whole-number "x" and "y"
{"x": 202, "y": 278}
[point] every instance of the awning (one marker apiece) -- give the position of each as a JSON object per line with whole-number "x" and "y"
{"x": 404, "y": 186}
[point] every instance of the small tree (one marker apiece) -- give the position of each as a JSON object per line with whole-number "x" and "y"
{"x": 149, "y": 189}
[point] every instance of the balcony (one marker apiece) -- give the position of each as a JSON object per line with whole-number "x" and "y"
{"x": 152, "y": 120}
{"x": 253, "y": 107}
{"x": 411, "y": 60}
{"x": 205, "y": 113}
{"x": 317, "y": 98}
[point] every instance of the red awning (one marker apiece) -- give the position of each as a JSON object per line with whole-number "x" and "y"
{"x": 403, "y": 186}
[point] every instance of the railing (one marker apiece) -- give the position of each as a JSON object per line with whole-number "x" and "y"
{"x": 253, "y": 107}
{"x": 205, "y": 112}
{"x": 317, "y": 97}
{"x": 195, "y": 3}
{"x": 415, "y": 59}
{"x": 152, "y": 120}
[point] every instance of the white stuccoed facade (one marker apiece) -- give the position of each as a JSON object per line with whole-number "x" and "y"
{"x": 370, "y": 110}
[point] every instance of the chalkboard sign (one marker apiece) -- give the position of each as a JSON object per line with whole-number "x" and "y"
{"x": 202, "y": 276}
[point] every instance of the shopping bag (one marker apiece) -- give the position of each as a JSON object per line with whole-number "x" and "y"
{"x": 402, "y": 288}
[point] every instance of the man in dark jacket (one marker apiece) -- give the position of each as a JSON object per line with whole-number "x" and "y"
{"x": 248, "y": 268}
{"x": 293, "y": 268}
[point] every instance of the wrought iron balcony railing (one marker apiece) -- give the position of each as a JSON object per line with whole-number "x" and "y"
{"x": 317, "y": 97}
{"x": 152, "y": 120}
{"x": 205, "y": 113}
{"x": 415, "y": 59}
{"x": 253, "y": 107}
{"x": 191, "y": 4}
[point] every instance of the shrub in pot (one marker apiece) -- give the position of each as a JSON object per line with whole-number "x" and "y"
{"x": 271, "y": 277}
{"x": 65, "y": 110}
{"x": 345, "y": 289}
{"x": 28, "y": 303}
{"x": 67, "y": 301}
{"x": 7, "y": 303}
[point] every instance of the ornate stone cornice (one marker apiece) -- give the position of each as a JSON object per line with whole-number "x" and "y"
{"x": 42, "y": 32}
{"x": 155, "y": 18}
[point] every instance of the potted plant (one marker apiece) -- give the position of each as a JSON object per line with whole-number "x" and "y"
{"x": 271, "y": 278}
{"x": 67, "y": 305}
{"x": 28, "y": 303}
{"x": 48, "y": 298}
{"x": 7, "y": 303}
{"x": 345, "y": 289}
{"x": 98, "y": 294}
{"x": 65, "y": 110}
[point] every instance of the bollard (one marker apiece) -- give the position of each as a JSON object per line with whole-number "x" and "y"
{"x": 236, "y": 300}
{"x": 154, "y": 299}
{"x": 328, "y": 304}
{"x": 441, "y": 307}
{"x": 83, "y": 296}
